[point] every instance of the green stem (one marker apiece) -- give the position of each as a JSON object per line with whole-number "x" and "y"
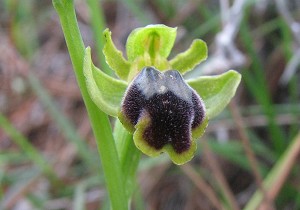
{"x": 99, "y": 120}
{"x": 129, "y": 156}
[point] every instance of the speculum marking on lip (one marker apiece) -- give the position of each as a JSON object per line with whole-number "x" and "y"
{"x": 173, "y": 107}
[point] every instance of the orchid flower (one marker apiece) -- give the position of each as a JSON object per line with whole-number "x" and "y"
{"x": 164, "y": 112}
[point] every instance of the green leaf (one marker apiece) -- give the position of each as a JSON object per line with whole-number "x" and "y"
{"x": 156, "y": 40}
{"x": 105, "y": 91}
{"x": 187, "y": 60}
{"x": 216, "y": 91}
{"x": 114, "y": 57}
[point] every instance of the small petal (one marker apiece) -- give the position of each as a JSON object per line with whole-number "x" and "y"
{"x": 165, "y": 111}
{"x": 152, "y": 39}
{"x": 114, "y": 57}
{"x": 187, "y": 60}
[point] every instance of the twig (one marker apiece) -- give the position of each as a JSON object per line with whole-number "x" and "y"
{"x": 290, "y": 68}
{"x": 226, "y": 54}
{"x": 202, "y": 185}
{"x": 246, "y": 144}
{"x": 224, "y": 5}
{"x": 294, "y": 25}
{"x": 219, "y": 176}
{"x": 294, "y": 62}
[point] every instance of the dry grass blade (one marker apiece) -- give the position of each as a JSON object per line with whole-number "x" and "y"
{"x": 21, "y": 192}
{"x": 202, "y": 185}
{"x": 246, "y": 144}
{"x": 277, "y": 177}
{"x": 290, "y": 160}
{"x": 219, "y": 176}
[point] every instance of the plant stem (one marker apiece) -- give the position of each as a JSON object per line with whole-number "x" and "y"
{"x": 129, "y": 156}
{"x": 99, "y": 121}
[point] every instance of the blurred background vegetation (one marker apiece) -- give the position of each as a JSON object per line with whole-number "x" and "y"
{"x": 48, "y": 157}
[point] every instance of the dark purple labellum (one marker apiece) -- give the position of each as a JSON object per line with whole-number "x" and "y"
{"x": 174, "y": 109}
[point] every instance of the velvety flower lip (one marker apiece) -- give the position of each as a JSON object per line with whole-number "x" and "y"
{"x": 171, "y": 108}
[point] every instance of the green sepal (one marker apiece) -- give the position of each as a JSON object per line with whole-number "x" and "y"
{"x": 155, "y": 40}
{"x": 114, "y": 57}
{"x": 105, "y": 91}
{"x": 216, "y": 91}
{"x": 193, "y": 56}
